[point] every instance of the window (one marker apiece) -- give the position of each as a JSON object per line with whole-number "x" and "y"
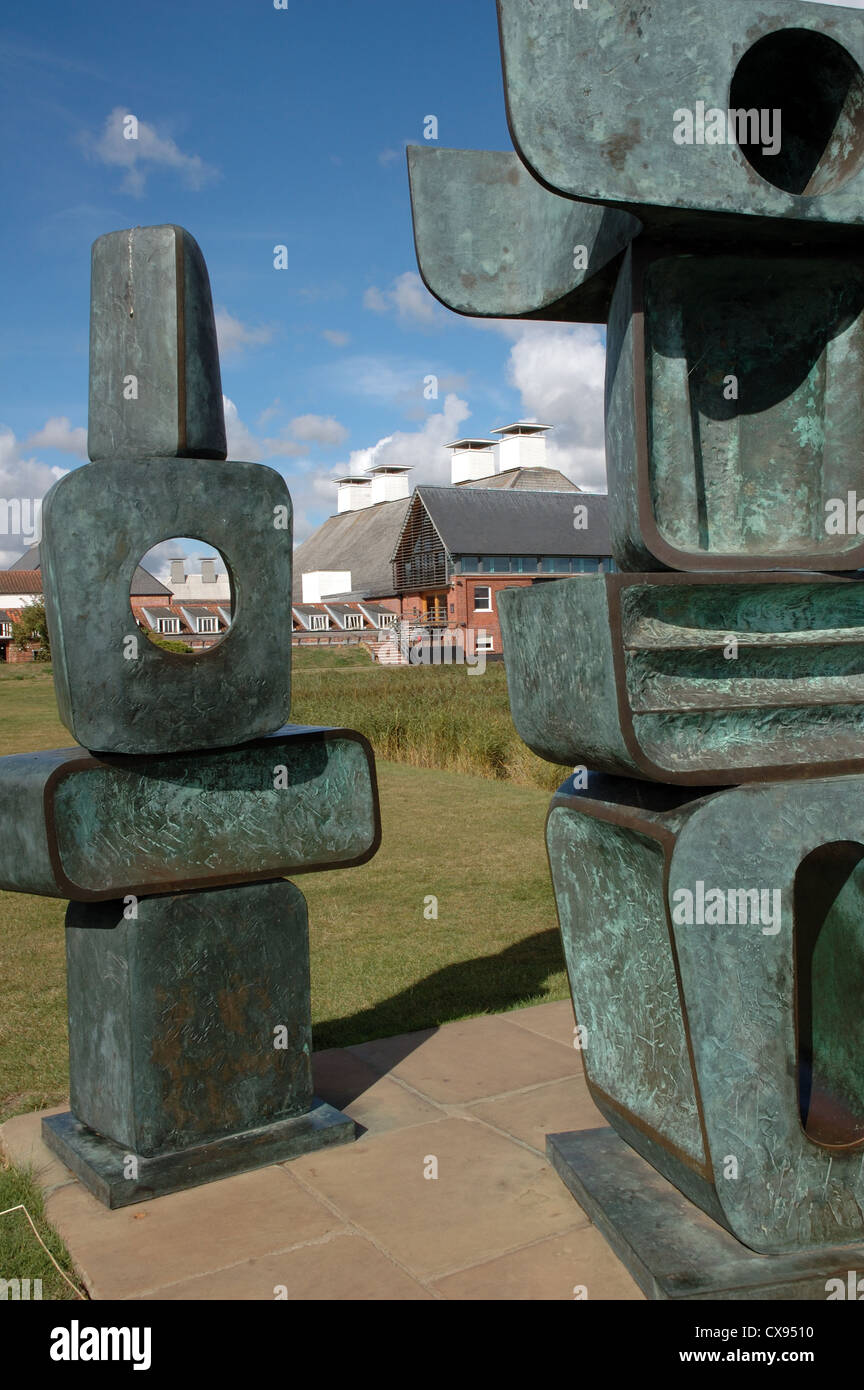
{"x": 524, "y": 564}
{"x": 5, "y": 629}
{"x": 495, "y": 564}
{"x": 319, "y": 622}
{"x": 387, "y": 620}
{"x": 556, "y": 564}
{"x": 168, "y": 625}
{"x": 353, "y": 620}
{"x": 483, "y": 642}
{"x": 470, "y": 564}
{"x": 208, "y": 625}
{"x": 482, "y": 598}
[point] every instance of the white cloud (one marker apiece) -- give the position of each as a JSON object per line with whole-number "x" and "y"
{"x": 394, "y": 154}
{"x": 313, "y": 488}
{"x": 318, "y": 429}
{"x": 242, "y": 443}
{"x": 251, "y": 448}
{"x": 376, "y": 301}
{"x": 149, "y": 148}
{"x": 336, "y": 338}
{"x": 392, "y": 380}
{"x": 57, "y": 433}
{"x": 421, "y": 450}
{"x": 234, "y": 336}
{"x": 409, "y": 299}
{"x": 23, "y": 482}
{"x": 559, "y": 371}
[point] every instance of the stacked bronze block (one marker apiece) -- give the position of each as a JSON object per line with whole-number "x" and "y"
{"x": 706, "y": 854}
{"x": 173, "y": 828}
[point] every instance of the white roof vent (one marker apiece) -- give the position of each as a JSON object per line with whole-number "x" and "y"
{"x": 522, "y": 445}
{"x": 470, "y": 460}
{"x": 389, "y": 482}
{"x": 353, "y": 494}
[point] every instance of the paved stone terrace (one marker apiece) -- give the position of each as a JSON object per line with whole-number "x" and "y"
{"x": 361, "y": 1221}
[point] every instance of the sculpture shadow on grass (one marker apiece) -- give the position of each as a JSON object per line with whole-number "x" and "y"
{"x": 487, "y": 985}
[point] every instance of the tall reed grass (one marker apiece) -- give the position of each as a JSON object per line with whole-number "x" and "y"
{"x": 438, "y": 717}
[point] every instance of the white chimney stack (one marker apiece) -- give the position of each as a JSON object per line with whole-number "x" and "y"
{"x": 470, "y": 460}
{"x": 354, "y": 494}
{"x": 522, "y": 445}
{"x": 178, "y": 572}
{"x": 389, "y": 483}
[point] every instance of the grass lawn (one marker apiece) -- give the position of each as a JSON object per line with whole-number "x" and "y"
{"x": 441, "y": 716}
{"x": 21, "y": 1255}
{"x": 379, "y": 966}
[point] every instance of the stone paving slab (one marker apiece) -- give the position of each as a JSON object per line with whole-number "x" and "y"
{"x": 490, "y": 1194}
{"x": 137, "y": 1249}
{"x": 529, "y": 1115}
{"x": 343, "y": 1266}
{"x": 467, "y": 1061}
{"x": 472, "y": 1101}
{"x": 577, "y": 1265}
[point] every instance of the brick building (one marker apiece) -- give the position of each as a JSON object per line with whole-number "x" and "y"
{"x": 460, "y": 547}
{"x": 193, "y": 609}
{"x": 18, "y": 589}
{"x": 437, "y": 559}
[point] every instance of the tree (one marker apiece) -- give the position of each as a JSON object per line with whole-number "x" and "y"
{"x": 31, "y": 626}
{"x": 166, "y": 644}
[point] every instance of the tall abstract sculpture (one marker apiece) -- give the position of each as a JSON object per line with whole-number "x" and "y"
{"x": 187, "y": 951}
{"x": 694, "y": 177}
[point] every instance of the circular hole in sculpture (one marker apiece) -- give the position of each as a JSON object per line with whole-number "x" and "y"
{"x": 798, "y": 103}
{"x": 182, "y": 598}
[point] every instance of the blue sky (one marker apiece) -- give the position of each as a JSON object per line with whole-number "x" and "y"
{"x": 261, "y": 127}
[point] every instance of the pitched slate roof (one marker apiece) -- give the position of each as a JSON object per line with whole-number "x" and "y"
{"x": 489, "y": 521}
{"x": 28, "y": 561}
{"x": 184, "y": 612}
{"x": 361, "y": 542}
{"x": 144, "y": 584}
{"x": 197, "y": 607}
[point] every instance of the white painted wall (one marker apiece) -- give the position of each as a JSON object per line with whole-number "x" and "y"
{"x": 320, "y": 584}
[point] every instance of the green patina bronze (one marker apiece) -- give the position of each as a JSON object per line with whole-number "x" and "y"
{"x": 493, "y": 242}
{"x": 187, "y": 986}
{"x": 86, "y": 828}
{"x": 734, "y": 363}
{"x": 686, "y": 679}
{"x": 189, "y": 1041}
{"x": 785, "y": 1101}
{"x": 155, "y": 387}
{"x": 592, "y": 96}
{"x": 97, "y": 524}
{"x": 189, "y": 1011}
{"x": 723, "y": 1046}
{"x": 732, "y": 418}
